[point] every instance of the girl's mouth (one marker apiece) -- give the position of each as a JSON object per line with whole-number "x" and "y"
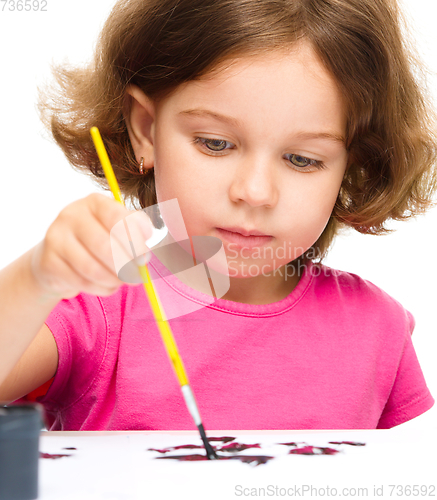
{"x": 242, "y": 238}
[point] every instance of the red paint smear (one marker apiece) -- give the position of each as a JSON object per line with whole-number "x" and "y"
{"x": 232, "y": 447}
{"x": 238, "y": 447}
{"x": 313, "y": 450}
{"x": 224, "y": 439}
{"x": 257, "y": 459}
{"x": 181, "y": 447}
{"x": 228, "y": 447}
{"x": 186, "y": 458}
{"x": 52, "y": 456}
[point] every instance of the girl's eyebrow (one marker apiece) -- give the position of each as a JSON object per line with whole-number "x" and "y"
{"x": 211, "y": 114}
{"x": 327, "y": 136}
{"x": 303, "y": 135}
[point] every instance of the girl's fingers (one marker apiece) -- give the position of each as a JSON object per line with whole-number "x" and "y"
{"x": 55, "y": 275}
{"x": 88, "y": 262}
{"x": 88, "y": 244}
{"x": 128, "y": 231}
{"x": 140, "y": 229}
{"x": 105, "y": 249}
{"x": 79, "y": 283}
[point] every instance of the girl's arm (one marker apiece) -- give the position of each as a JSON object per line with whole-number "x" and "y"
{"x": 75, "y": 256}
{"x": 23, "y": 310}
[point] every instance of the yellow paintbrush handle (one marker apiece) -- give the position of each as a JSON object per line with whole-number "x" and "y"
{"x": 163, "y": 326}
{"x": 106, "y": 164}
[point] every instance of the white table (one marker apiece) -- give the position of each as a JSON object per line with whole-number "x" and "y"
{"x": 118, "y": 466}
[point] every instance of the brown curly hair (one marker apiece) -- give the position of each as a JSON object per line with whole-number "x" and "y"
{"x": 159, "y": 44}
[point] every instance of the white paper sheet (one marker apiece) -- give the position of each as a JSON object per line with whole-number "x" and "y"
{"x": 119, "y": 466}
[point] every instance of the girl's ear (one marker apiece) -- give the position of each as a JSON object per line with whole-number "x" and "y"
{"x": 140, "y": 120}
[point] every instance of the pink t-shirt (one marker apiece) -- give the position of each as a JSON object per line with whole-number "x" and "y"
{"x": 334, "y": 354}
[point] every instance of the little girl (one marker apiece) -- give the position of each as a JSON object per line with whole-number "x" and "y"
{"x": 273, "y": 124}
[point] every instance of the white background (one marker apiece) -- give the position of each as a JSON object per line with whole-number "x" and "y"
{"x": 37, "y": 182}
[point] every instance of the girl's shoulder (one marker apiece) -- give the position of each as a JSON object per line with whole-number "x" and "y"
{"x": 87, "y": 330}
{"x": 86, "y": 323}
{"x": 345, "y": 290}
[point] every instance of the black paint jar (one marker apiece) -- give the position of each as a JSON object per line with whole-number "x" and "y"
{"x": 20, "y": 426}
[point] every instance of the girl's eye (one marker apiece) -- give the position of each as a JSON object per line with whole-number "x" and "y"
{"x": 303, "y": 162}
{"x": 216, "y": 145}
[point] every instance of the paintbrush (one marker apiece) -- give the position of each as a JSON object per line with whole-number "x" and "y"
{"x": 158, "y": 312}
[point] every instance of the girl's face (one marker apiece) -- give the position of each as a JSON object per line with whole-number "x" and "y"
{"x": 254, "y": 147}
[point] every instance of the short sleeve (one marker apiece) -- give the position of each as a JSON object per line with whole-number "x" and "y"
{"x": 410, "y": 396}
{"x": 79, "y": 328}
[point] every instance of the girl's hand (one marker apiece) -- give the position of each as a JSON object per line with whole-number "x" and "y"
{"x": 78, "y": 251}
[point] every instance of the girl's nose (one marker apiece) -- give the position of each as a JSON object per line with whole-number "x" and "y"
{"x": 254, "y": 183}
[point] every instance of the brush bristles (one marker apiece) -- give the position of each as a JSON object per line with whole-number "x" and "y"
{"x": 210, "y": 453}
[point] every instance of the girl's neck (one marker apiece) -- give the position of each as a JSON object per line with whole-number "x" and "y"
{"x": 262, "y": 289}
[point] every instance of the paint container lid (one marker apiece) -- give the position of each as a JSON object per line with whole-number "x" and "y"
{"x": 20, "y": 427}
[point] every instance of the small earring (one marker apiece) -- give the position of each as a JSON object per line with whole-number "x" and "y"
{"x": 142, "y": 166}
